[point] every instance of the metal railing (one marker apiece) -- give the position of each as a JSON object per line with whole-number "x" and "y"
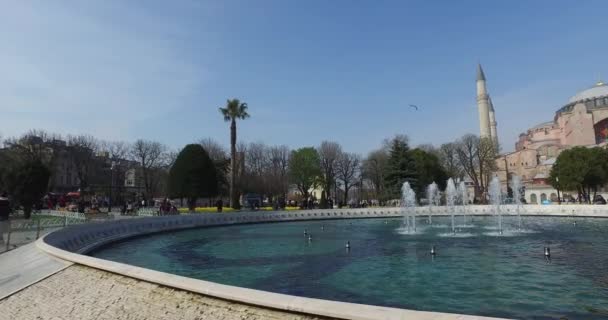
{"x": 148, "y": 212}
{"x": 16, "y": 232}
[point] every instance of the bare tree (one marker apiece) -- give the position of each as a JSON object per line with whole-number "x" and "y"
{"x": 279, "y": 167}
{"x": 486, "y": 158}
{"x": 170, "y": 158}
{"x": 346, "y": 171}
{"x": 476, "y": 157}
{"x": 81, "y": 152}
{"x": 117, "y": 152}
{"x": 36, "y": 145}
{"x": 387, "y": 143}
{"x": 448, "y": 155}
{"x": 239, "y": 165}
{"x": 216, "y": 151}
{"x": 467, "y": 156}
{"x": 329, "y": 152}
{"x": 256, "y": 169}
{"x": 150, "y": 156}
{"x": 374, "y": 170}
{"x": 266, "y": 170}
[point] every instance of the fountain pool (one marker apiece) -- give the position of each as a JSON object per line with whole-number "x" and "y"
{"x": 483, "y": 274}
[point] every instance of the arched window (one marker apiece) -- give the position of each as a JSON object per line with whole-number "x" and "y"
{"x": 533, "y": 198}
{"x": 543, "y": 197}
{"x": 553, "y": 197}
{"x": 601, "y": 131}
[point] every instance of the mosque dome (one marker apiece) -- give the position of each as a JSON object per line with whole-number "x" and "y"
{"x": 600, "y": 89}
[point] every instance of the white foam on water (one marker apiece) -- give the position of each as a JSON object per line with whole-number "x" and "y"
{"x": 404, "y": 230}
{"x": 505, "y": 233}
{"x": 456, "y": 235}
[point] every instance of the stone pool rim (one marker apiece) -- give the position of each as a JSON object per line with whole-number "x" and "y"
{"x": 72, "y": 244}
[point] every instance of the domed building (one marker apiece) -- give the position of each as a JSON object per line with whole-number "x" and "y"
{"x": 583, "y": 121}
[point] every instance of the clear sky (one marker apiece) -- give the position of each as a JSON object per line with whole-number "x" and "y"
{"x": 310, "y": 70}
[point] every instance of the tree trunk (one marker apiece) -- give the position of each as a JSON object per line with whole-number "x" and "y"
{"x": 234, "y": 201}
{"x": 192, "y": 204}
{"x": 27, "y": 211}
{"x": 346, "y": 188}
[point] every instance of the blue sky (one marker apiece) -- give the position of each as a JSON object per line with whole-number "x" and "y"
{"x": 310, "y": 70}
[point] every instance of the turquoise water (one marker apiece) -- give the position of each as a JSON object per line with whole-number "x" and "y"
{"x": 476, "y": 272}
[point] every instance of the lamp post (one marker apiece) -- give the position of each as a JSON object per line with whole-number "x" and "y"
{"x": 111, "y": 185}
{"x": 559, "y": 200}
{"x": 507, "y": 174}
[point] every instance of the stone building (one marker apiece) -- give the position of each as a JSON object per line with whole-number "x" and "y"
{"x": 582, "y": 121}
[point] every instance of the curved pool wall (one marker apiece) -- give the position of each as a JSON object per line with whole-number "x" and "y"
{"x": 73, "y": 242}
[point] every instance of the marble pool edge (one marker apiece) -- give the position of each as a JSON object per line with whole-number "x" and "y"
{"x": 71, "y": 244}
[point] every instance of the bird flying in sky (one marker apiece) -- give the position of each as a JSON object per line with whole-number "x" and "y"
{"x": 414, "y": 106}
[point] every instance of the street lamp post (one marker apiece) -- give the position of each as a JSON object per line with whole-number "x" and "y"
{"x": 111, "y": 185}
{"x": 507, "y": 174}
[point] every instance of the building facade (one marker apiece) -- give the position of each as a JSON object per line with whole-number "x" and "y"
{"x": 582, "y": 121}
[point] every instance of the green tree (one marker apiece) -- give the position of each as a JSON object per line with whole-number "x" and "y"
{"x": 193, "y": 175}
{"x": 304, "y": 169}
{"x": 428, "y": 169}
{"x": 27, "y": 183}
{"x": 234, "y": 110}
{"x": 580, "y": 169}
{"x": 400, "y": 167}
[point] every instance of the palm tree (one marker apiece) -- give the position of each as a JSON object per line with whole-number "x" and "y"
{"x": 234, "y": 110}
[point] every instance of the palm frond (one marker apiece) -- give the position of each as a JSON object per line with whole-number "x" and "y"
{"x": 226, "y": 113}
{"x": 242, "y": 114}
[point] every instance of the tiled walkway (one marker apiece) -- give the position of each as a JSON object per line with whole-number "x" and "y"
{"x": 24, "y": 266}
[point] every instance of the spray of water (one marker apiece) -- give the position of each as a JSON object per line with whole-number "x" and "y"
{"x": 408, "y": 201}
{"x": 432, "y": 195}
{"x": 450, "y": 199}
{"x": 464, "y": 198}
{"x": 496, "y": 199}
{"x": 516, "y": 187}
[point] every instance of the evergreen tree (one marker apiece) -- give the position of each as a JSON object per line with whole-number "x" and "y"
{"x": 27, "y": 183}
{"x": 401, "y": 167}
{"x": 193, "y": 175}
{"x": 428, "y": 169}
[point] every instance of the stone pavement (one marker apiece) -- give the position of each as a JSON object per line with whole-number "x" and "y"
{"x": 80, "y": 292}
{"x": 24, "y": 266}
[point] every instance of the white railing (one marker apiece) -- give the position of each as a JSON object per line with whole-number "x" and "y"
{"x": 63, "y": 214}
{"x": 148, "y": 212}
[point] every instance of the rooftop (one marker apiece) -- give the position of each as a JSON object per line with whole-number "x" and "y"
{"x": 600, "y": 89}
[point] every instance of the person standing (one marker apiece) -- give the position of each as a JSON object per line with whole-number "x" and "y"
{"x": 5, "y": 209}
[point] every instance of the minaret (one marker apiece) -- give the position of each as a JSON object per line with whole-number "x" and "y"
{"x": 493, "y": 123}
{"x": 483, "y": 104}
